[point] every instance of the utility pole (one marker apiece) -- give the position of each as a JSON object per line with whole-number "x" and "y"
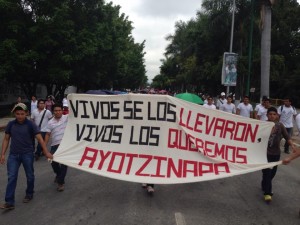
{"x": 250, "y": 48}
{"x": 231, "y": 37}
{"x": 265, "y": 47}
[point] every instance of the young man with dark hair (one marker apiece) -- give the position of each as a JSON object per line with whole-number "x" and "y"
{"x": 262, "y": 111}
{"x": 287, "y": 113}
{"x": 40, "y": 117}
{"x": 209, "y": 104}
{"x": 228, "y": 106}
{"x": 55, "y": 129}
{"x": 258, "y": 106}
{"x": 273, "y": 152}
{"x": 21, "y": 132}
{"x": 245, "y": 109}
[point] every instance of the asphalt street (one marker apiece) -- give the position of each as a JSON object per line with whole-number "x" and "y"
{"x": 91, "y": 199}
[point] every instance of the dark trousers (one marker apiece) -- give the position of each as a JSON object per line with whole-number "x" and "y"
{"x": 290, "y": 132}
{"x": 59, "y": 169}
{"x": 39, "y": 147}
{"x": 268, "y": 175}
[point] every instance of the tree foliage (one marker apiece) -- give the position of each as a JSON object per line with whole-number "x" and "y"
{"x": 86, "y": 43}
{"x": 193, "y": 57}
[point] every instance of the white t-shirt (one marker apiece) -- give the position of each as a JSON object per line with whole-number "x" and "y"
{"x": 298, "y": 122}
{"x": 221, "y": 102}
{"x": 245, "y": 110}
{"x": 258, "y": 106}
{"x": 228, "y": 108}
{"x": 65, "y": 102}
{"x": 37, "y": 115}
{"x": 286, "y": 115}
{"x": 262, "y": 113}
{"x": 33, "y": 106}
{"x": 212, "y": 106}
{"x": 57, "y": 129}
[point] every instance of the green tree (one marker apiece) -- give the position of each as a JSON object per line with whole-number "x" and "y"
{"x": 207, "y": 37}
{"x": 85, "y": 43}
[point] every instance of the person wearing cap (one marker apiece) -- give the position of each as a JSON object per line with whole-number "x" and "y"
{"x": 222, "y": 100}
{"x": 273, "y": 152}
{"x": 20, "y": 133}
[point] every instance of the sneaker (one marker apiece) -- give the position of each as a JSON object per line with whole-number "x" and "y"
{"x": 60, "y": 188}
{"x": 268, "y": 198}
{"x": 144, "y": 185}
{"x": 27, "y": 199}
{"x": 7, "y": 206}
{"x": 150, "y": 189}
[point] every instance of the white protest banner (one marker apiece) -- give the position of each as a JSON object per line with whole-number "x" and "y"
{"x": 159, "y": 139}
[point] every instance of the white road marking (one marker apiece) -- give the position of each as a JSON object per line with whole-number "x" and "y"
{"x": 179, "y": 218}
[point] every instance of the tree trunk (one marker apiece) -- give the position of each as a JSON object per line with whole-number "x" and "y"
{"x": 265, "y": 50}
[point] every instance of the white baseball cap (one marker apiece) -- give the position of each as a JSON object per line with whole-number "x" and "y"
{"x": 222, "y": 94}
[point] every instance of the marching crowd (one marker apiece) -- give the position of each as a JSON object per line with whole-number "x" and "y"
{"x": 48, "y": 121}
{"x": 282, "y": 117}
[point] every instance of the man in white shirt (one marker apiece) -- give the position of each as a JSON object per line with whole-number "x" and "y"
{"x": 287, "y": 112}
{"x": 258, "y": 106}
{"x": 209, "y": 104}
{"x": 40, "y": 117}
{"x": 222, "y": 100}
{"x": 65, "y": 101}
{"x": 245, "y": 109}
{"x": 33, "y": 104}
{"x": 298, "y": 123}
{"x": 228, "y": 106}
{"x": 262, "y": 111}
{"x": 55, "y": 129}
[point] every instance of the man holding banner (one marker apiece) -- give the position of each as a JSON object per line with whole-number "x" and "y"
{"x": 55, "y": 130}
{"x": 273, "y": 152}
{"x": 159, "y": 140}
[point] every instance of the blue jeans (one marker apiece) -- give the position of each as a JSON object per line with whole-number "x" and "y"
{"x": 59, "y": 169}
{"x": 13, "y": 164}
{"x": 38, "y": 147}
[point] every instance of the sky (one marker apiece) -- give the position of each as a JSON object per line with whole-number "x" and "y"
{"x": 153, "y": 21}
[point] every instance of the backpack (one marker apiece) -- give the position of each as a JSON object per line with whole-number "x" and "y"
{"x": 281, "y": 108}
